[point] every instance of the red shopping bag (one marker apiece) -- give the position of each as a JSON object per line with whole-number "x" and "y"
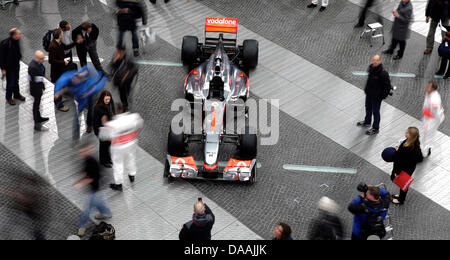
{"x": 403, "y": 181}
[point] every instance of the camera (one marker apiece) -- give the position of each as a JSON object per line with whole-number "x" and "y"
{"x": 362, "y": 187}
{"x": 391, "y": 92}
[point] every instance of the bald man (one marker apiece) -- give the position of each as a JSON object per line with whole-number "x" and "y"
{"x": 377, "y": 88}
{"x": 36, "y": 75}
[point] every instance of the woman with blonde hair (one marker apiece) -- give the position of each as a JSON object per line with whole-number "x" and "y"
{"x": 407, "y": 156}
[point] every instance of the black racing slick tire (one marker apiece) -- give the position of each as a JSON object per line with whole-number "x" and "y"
{"x": 167, "y": 173}
{"x": 248, "y": 146}
{"x": 250, "y": 53}
{"x": 175, "y": 144}
{"x": 189, "y": 50}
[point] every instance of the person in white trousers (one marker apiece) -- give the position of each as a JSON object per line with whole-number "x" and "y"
{"x": 432, "y": 116}
{"x": 314, "y": 4}
{"x": 123, "y": 132}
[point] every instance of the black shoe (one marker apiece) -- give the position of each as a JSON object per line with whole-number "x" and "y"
{"x": 107, "y": 165}
{"x": 322, "y": 9}
{"x": 43, "y": 119}
{"x": 153, "y": 1}
{"x": 117, "y": 187}
{"x": 359, "y": 25}
{"x": 40, "y": 128}
{"x": 439, "y": 73}
{"x": 388, "y": 52}
{"x": 429, "y": 152}
{"x": 362, "y": 123}
{"x": 372, "y": 131}
{"x": 136, "y": 53}
{"x": 19, "y": 97}
{"x": 166, "y": 1}
{"x": 311, "y": 6}
{"x": 131, "y": 178}
{"x": 397, "y": 57}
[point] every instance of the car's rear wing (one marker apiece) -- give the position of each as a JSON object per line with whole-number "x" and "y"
{"x": 226, "y": 26}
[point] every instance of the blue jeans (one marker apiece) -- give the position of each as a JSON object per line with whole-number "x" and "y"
{"x": 373, "y": 108}
{"x": 97, "y": 201}
{"x": 134, "y": 39}
{"x": 76, "y": 122}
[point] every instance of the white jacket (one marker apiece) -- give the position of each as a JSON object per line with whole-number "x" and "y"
{"x": 122, "y": 130}
{"x": 432, "y": 112}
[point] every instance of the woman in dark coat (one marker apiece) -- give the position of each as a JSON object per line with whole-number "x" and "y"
{"x": 400, "y": 29}
{"x": 407, "y": 157}
{"x": 103, "y": 112}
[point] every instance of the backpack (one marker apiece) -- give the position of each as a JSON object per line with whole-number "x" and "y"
{"x": 47, "y": 39}
{"x": 103, "y": 231}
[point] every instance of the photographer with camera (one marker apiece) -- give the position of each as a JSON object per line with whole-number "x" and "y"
{"x": 369, "y": 210}
{"x": 199, "y": 228}
{"x": 378, "y": 87}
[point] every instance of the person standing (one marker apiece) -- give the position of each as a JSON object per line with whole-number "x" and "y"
{"x": 432, "y": 116}
{"x": 10, "y": 56}
{"x": 89, "y": 33}
{"x": 377, "y": 88}
{"x": 123, "y": 71}
{"x": 400, "y": 30}
{"x": 122, "y": 131}
{"x": 369, "y": 212}
{"x": 282, "y": 232}
{"x": 199, "y": 228}
{"x": 59, "y": 62}
{"x": 362, "y": 16}
{"x": 327, "y": 226}
{"x": 437, "y": 11}
{"x": 314, "y": 4}
{"x": 91, "y": 177}
{"x": 103, "y": 112}
{"x": 444, "y": 53}
{"x": 36, "y": 76}
{"x": 407, "y": 156}
{"x": 129, "y": 11}
{"x": 67, "y": 38}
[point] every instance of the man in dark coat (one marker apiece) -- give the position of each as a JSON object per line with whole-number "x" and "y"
{"x": 10, "y": 56}
{"x": 123, "y": 71}
{"x": 437, "y": 10}
{"x": 89, "y": 33}
{"x": 129, "y": 11}
{"x": 400, "y": 29}
{"x": 36, "y": 75}
{"x": 199, "y": 228}
{"x": 377, "y": 88}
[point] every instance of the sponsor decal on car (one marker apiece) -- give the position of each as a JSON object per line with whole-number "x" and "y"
{"x": 184, "y": 161}
{"x": 234, "y": 163}
{"x": 227, "y": 25}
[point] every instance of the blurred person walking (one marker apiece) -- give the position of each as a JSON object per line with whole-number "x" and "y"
{"x": 407, "y": 156}
{"x": 129, "y": 11}
{"x": 91, "y": 176}
{"x": 362, "y": 15}
{"x": 400, "y": 30}
{"x": 89, "y": 32}
{"x": 436, "y": 12}
{"x": 199, "y": 228}
{"x": 432, "y": 116}
{"x": 59, "y": 62}
{"x": 282, "y": 231}
{"x": 123, "y": 71}
{"x": 327, "y": 226}
{"x": 10, "y": 56}
{"x": 36, "y": 76}
{"x": 314, "y": 4}
{"x": 104, "y": 111}
{"x": 369, "y": 212}
{"x": 84, "y": 84}
{"x": 377, "y": 88}
{"x": 122, "y": 131}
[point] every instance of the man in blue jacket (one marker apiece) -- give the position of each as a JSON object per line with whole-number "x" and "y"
{"x": 370, "y": 211}
{"x": 83, "y": 84}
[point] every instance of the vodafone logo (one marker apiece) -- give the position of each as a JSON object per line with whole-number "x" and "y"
{"x": 221, "y": 21}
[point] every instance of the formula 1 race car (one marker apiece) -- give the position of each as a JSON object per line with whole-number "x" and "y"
{"x": 218, "y": 81}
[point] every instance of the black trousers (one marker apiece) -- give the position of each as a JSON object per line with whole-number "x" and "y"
{"x": 91, "y": 48}
{"x": 12, "y": 82}
{"x": 394, "y": 44}
{"x": 373, "y": 108}
{"x": 37, "y": 95}
{"x": 443, "y": 68}
{"x": 362, "y": 16}
{"x": 104, "y": 153}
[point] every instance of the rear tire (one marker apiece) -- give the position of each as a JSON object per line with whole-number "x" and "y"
{"x": 250, "y": 53}
{"x": 189, "y": 50}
